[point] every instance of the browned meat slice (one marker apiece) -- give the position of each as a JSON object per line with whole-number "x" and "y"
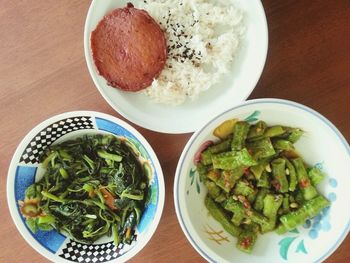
{"x": 129, "y": 48}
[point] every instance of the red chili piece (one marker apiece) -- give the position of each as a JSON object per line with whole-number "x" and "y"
{"x": 276, "y": 185}
{"x": 246, "y": 242}
{"x": 304, "y": 183}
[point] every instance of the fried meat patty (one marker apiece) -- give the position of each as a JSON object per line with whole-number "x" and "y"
{"x": 129, "y": 48}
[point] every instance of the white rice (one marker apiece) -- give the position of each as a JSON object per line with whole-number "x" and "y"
{"x": 209, "y": 30}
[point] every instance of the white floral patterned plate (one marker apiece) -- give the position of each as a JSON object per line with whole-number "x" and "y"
{"x": 322, "y": 146}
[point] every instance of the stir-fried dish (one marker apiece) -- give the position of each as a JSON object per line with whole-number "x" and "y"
{"x": 92, "y": 186}
{"x": 257, "y": 182}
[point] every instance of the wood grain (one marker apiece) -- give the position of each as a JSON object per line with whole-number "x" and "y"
{"x": 43, "y": 73}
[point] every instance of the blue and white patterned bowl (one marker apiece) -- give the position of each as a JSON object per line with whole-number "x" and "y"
{"x": 322, "y": 146}
{"x": 24, "y": 170}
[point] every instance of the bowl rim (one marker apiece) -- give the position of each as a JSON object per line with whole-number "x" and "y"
{"x": 94, "y": 74}
{"x": 27, "y": 138}
{"x": 193, "y": 138}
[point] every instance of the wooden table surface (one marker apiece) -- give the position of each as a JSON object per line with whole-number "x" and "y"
{"x": 43, "y": 73}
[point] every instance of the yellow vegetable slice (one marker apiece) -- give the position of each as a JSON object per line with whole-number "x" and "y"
{"x": 225, "y": 128}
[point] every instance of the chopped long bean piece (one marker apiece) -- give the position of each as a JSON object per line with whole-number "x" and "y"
{"x": 294, "y": 135}
{"x": 283, "y": 145}
{"x": 246, "y": 241}
{"x": 264, "y": 181}
{"x": 240, "y": 132}
{"x": 243, "y": 188}
{"x": 259, "y": 201}
{"x": 292, "y": 175}
{"x": 257, "y": 130}
{"x": 237, "y": 209}
{"x": 279, "y": 174}
{"x": 217, "y": 212}
{"x": 207, "y": 155}
{"x": 233, "y": 160}
{"x": 308, "y": 190}
{"x": 271, "y": 205}
{"x": 228, "y": 178}
{"x": 213, "y": 190}
{"x": 258, "y": 169}
{"x": 214, "y": 175}
{"x": 275, "y": 131}
{"x": 262, "y": 148}
{"x": 316, "y": 176}
{"x": 285, "y": 204}
{"x": 310, "y": 209}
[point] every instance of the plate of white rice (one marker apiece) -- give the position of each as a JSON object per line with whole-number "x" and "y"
{"x": 216, "y": 53}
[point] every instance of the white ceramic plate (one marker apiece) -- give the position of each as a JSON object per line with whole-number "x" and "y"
{"x": 25, "y": 170}
{"x": 188, "y": 117}
{"x": 322, "y": 145}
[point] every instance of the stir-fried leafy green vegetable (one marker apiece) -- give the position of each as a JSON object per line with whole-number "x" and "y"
{"x": 255, "y": 177}
{"x": 92, "y": 186}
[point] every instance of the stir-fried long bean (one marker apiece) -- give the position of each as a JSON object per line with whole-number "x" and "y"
{"x": 257, "y": 182}
{"x": 93, "y": 186}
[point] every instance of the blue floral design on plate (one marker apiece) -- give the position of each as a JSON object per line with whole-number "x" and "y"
{"x": 333, "y": 182}
{"x": 194, "y": 178}
{"x": 314, "y": 225}
{"x": 284, "y": 246}
{"x": 253, "y": 117}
